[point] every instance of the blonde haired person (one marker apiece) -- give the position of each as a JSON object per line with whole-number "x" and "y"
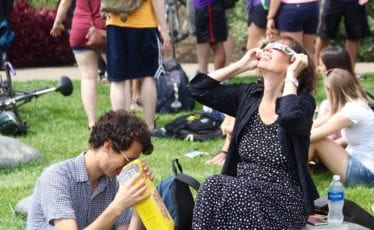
{"x": 350, "y": 112}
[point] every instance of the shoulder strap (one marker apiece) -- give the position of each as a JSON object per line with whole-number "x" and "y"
{"x": 180, "y": 176}
{"x": 188, "y": 180}
{"x": 177, "y": 168}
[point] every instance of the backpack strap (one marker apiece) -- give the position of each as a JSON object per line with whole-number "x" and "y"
{"x": 180, "y": 176}
{"x": 177, "y": 168}
{"x": 188, "y": 180}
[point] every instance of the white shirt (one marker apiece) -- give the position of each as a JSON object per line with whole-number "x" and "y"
{"x": 360, "y": 135}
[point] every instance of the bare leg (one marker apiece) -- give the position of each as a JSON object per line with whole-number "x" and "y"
{"x": 331, "y": 154}
{"x": 321, "y": 43}
{"x": 228, "y": 49}
{"x": 88, "y": 69}
{"x": 308, "y": 41}
{"x": 298, "y": 36}
{"x": 120, "y": 95}
{"x": 352, "y": 47}
{"x": 203, "y": 52}
{"x": 135, "y": 92}
{"x": 255, "y": 34}
{"x": 149, "y": 98}
{"x": 219, "y": 55}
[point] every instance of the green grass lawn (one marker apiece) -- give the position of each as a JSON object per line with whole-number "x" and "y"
{"x": 58, "y": 129}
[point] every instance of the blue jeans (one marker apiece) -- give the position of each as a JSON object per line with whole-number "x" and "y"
{"x": 357, "y": 173}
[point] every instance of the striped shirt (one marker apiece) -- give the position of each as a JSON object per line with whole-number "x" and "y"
{"x": 63, "y": 192}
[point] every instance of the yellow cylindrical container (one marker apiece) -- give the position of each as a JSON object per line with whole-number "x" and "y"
{"x": 152, "y": 211}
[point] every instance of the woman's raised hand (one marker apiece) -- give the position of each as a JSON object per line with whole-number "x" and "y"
{"x": 250, "y": 59}
{"x": 299, "y": 62}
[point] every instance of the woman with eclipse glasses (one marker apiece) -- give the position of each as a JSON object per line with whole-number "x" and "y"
{"x": 265, "y": 181}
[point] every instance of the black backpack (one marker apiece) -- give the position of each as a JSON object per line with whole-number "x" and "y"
{"x": 195, "y": 126}
{"x": 172, "y": 94}
{"x": 176, "y": 194}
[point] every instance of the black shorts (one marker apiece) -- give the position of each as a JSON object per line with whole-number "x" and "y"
{"x": 257, "y": 14}
{"x": 355, "y": 19}
{"x": 211, "y": 24}
{"x": 133, "y": 53}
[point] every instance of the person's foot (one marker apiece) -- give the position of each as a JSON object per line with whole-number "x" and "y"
{"x": 135, "y": 105}
{"x": 159, "y": 132}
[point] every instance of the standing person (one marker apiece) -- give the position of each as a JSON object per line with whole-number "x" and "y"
{"x": 265, "y": 175}
{"x": 256, "y": 31}
{"x": 256, "y": 24}
{"x": 6, "y": 32}
{"x": 350, "y": 113}
{"x": 134, "y": 52}
{"x": 86, "y": 58}
{"x": 295, "y": 18}
{"x": 355, "y": 23}
{"x": 211, "y": 33}
{"x": 83, "y": 191}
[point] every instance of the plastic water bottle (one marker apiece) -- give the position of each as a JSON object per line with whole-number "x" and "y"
{"x": 335, "y": 201}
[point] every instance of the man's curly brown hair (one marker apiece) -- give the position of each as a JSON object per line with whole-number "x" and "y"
{"x": 122, "y": 128}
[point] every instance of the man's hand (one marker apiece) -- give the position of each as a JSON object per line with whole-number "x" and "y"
{"x": 166, "y": 40}
{"x": 131, "y": 192}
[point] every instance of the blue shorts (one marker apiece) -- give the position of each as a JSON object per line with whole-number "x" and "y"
{"x": 257, "y": 15}
{"x": 79, "y": 48}
{"x": 133, "y": 53}
{"x": 357, "y": 173}
{"x": 355, "y": 19}
{"x": 298, "y": 17}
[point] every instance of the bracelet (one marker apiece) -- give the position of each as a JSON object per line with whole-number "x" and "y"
{"x": 223, "y": 151}
{"x": 293, "y": 80}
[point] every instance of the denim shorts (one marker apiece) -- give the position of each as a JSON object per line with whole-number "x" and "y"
{"x": 357, "y": 173}
{"x": 298, "y": 17}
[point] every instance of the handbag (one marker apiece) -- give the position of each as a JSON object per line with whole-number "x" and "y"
{"x": 96, "y": 37}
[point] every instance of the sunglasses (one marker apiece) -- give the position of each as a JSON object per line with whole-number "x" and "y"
{"x": 281, "y": 47}
{"x": 128, "y": 159}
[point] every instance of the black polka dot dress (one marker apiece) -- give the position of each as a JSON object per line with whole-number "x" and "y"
{"x": 263, "y": 195}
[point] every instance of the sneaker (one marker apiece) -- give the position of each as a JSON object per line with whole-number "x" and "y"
{"x": 159, "y": 132}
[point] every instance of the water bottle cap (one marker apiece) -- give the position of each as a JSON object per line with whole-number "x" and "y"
{"x": 336, "y": 177}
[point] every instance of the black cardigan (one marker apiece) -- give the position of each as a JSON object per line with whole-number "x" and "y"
{"x": 295, "y": 117}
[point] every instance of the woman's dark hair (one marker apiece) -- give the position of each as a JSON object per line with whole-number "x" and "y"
{"x": 122, "y": 128}
{"x": 336, "y": 57}
{"x": 307, "y": 77}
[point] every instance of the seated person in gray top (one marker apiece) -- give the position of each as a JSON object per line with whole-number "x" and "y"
{"x": 83, "y": 191}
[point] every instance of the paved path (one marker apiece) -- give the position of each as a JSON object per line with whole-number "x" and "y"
{"x": 54, "y": 73}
